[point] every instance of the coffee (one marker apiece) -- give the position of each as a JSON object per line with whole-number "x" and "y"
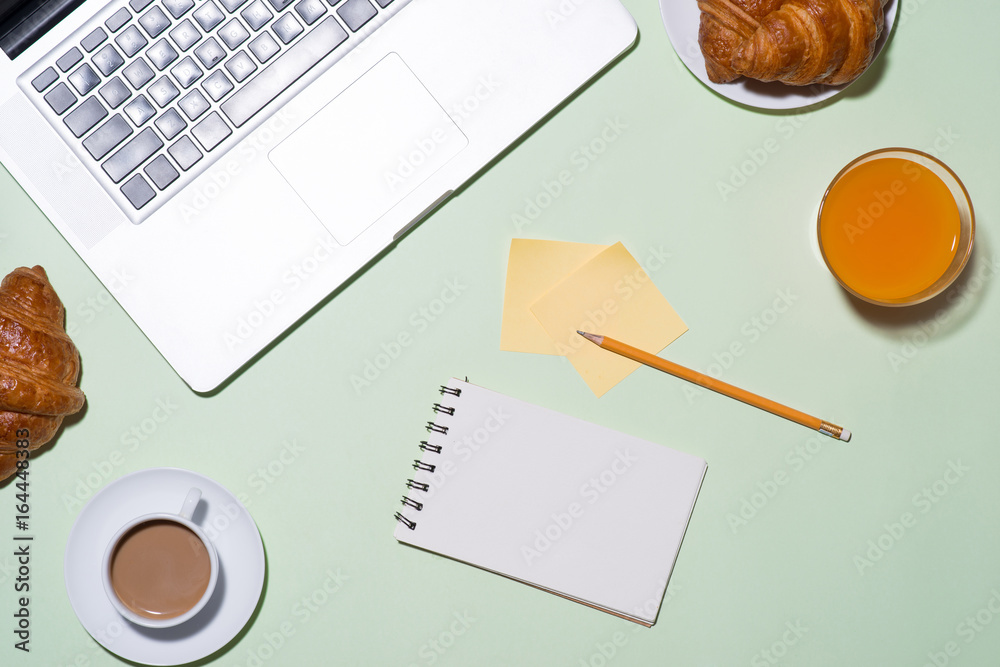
{"x": 160, "y": 569}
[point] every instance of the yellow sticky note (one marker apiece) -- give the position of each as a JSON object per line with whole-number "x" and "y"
{"x": 533, "y": 268}
{"x": 609, "y": 295}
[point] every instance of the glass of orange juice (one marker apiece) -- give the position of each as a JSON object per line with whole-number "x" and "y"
{"x": 896, "y": 227}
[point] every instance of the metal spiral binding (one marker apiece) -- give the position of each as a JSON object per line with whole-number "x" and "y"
{"x": 427, "y": 447}
{"x": 436, "y": 428}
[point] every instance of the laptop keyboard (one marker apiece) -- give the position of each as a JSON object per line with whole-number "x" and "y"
{"x": 150, "y": 93}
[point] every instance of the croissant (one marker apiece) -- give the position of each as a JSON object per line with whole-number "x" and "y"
{"x": 39, "y": 365}
{"x": 797, "y": 42}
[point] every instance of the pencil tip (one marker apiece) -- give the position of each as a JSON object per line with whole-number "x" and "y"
{"x": 582, "y": 333}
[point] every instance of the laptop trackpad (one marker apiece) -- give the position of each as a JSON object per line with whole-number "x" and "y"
{"x": 368, "y": 148}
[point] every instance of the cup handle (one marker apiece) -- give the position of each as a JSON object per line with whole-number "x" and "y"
{"x": 190, "y": 502}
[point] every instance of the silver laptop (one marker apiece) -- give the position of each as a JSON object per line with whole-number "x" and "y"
{"x": 223, "y": 165}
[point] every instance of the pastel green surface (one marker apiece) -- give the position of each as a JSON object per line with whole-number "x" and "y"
{"x": 801, "y": 551}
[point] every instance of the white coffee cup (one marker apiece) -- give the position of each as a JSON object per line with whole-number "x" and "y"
{"x": 154, "y": 567}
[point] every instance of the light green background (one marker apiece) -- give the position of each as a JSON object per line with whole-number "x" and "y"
{"x": 917, "y": 387}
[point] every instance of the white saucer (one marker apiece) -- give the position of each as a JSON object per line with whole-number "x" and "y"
{"x": 229, "y": 526}
{"x": 682, "y": 18}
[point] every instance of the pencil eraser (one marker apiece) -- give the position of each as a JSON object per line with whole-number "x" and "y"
{"x": 845, "y": 435}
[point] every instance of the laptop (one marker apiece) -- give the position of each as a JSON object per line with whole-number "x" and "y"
{"x": 224, "y": 165}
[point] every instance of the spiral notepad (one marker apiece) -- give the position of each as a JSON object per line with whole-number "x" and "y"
{"x": 570, "y": 507}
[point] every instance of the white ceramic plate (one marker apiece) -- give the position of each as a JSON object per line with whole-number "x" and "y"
{"x": 229, "y": 526}
{"x": 682, "y": 18}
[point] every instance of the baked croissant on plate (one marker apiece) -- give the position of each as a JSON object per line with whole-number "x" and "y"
{"x": 39, "y": 365}
{"x": 797, "y": 42}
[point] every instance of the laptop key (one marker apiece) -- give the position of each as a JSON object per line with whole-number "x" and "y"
{"x": 383, "y": 3}
{"x": 185, "y": 153}
{"x": 108, "y": 60}
{"x": 161, "y": 172}
{"x": 45, "y": 79}
{"x": 161, "y": 54}
{"x": 138, "y": 73}
{"x": 178, "y": 8}
{"x": 233, "y": 34}
{"x": 60, "y": 98}
{"x": 84, "y": 79}
{"x": 170, "y": 124}
{"x": 211, "y": 53}
{"x": 279, "y": 5}
{"x": 264, "y": 47}
{"x": 211, "y": 131}
{"x": 287, "y": 28}
{"x": 94, "y": 39}
{"x": 81, "y": 119}
{"x": 154, "y": 22}
{"x": 115, "y": 93}
{"x": 137, "y": 191}
{"x": 241, "y": 66}
{"x": 68, "y": 59}
{"x": 256, "y": 15}
{"x": 285, "y": 70}
{"x": 193, "y": 104}
{"x": 139, "y": 110}
{"x": 310, "y": 10}
{"x": 139, "y": 5}
{"x": 356, "y": 13}
{"x": 128, "y": 158}
{"x": 186, "y": 72}
{"x": 118, "y": 20}
{"x": 163, "y": 91}
{"x": 185, "y": 35}
{"x": 130, "y": 41}
{"x": 208, "y": 16}
{"x": 107, "y": 136}
{"x": 217, "y": 85}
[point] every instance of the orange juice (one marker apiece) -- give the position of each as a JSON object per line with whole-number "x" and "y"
{"x": 889, "y": 228}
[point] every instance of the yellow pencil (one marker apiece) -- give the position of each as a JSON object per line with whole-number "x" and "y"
{"x": 723, "y": 388}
